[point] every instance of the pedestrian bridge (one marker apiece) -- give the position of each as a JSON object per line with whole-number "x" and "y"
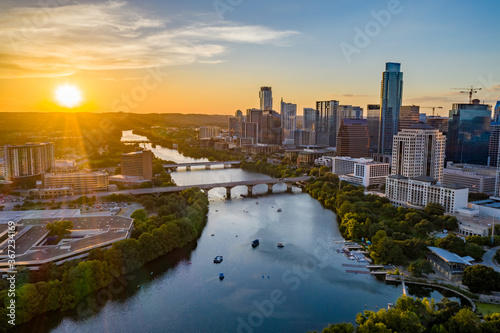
{"x": 207, "y": 165}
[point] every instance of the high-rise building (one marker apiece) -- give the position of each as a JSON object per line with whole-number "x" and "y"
{"x": 493, "y": 145}
{"x": 353, "y": 138}
{"x": 326, "y": 131}
{"x": 408, "y": 116}
{"x": 138, "y": 163}
{"x": 238, "y": 113}
{"x": 373, "y": 118}
{"x": 347, "y": 112}
{"x": 496, "y": 114}
{"x": 255, "y": 116}
{"x": 288, "y": 121}
{"x": 439, "y": 123}
{"x": 235, "y": 125}
{"x": 310, "y": 121}
{"x": 31, "y": 159}
{"x": 419, "y": 151}
{"x": 251, "y": 131}
{"x": 208, "y": 132}
{"x": 266, "y": 98}
{"x": 391, "y": 96}
{"x": 469, "y": 133}
{"x": 303, "y": 137}
{"x": 270, "y": 128}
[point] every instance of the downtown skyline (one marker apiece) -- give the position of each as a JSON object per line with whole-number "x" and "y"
{"x": 212, "y": 57}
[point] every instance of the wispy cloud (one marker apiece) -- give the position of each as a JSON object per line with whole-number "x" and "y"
{"x": 113, "y": 35}
{"x": 353, "y": 95}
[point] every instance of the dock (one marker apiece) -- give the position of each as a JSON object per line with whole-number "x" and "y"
{"x": 353, "y": 265}
{"x": 357, "y": 272}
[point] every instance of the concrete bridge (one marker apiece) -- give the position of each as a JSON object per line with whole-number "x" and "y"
{"x": 270, "y": 182}
{"x": 207, "y": 165}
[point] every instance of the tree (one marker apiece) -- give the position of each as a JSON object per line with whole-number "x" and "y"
{"x": 59, "y": 228}
{"x": 481, "y": 279}
{"x": 464, "y": 321}
{"x": 434, "y": 208}
{"x": 420, "y": 267}
{"x": 139, "y": 214}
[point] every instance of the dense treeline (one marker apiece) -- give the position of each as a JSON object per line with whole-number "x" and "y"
{"x": 420, "y": 316}
{"x": 180, "y": 220}
{"x": 398, "y": 235}
{"x": 277, "y": 171}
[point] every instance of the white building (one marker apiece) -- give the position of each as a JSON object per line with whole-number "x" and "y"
{"x": 419, "y": 150}
{"x": 361, "y": 171}
{"x": 417, "y": 192}
{"x": 288, "y": 122}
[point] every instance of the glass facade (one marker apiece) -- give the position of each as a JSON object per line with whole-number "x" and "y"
{"x": 469, "y": 134}
{"x": 391, "y": 97}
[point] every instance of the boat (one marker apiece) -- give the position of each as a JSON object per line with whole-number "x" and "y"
{"x": 218, "y": 260}
{"x": 255, "y": 243}
{"x": 221, "y": 276}
{"x": 279, "y": 210}
{"x": 281, "y": 245}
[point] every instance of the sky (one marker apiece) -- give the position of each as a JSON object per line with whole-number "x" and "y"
{"x": 212, "y": 56}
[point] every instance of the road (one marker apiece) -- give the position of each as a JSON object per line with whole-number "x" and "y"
{"x": 488, "y": 259}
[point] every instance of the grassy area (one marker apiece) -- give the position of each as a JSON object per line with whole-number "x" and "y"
{"x": 486, "y": 308}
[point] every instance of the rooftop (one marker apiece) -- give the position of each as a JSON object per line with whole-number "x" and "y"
{"x": 448, "y": 256}
{"x": 421, "y": 126}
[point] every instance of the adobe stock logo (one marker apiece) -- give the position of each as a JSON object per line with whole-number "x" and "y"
{"x": 372, "y": 29}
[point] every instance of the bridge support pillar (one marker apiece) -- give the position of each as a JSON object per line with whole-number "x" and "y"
{"x": 207, "y": 167}
{"x": 289, "y": 187}
{"x": 188, "y": 168}
{"x": 227, "y": 166}
{"x": 270, "y": 188}
{"x": 249, "y": 190}
{"x": 228, "y": 193}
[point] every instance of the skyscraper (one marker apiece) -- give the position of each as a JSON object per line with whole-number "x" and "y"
{"x": 310, "y": 121}
{"x": 373, "y": 117}
{"x": 347, "y": 112}
{"x": 496, "y": 115}
{"x": 254, "y": 116}
{"x": 419, "y": 151}
{"x": 266, "y": 98}
{"x": 139, "y": 163}
{"x": 31, "y": 159}
{"x": 326, "y": 131}
{"x": 390, "y": 100}
{"x": 408, "y": 116}
{"x": 288, "y": 121}
{"x": 469, "y": 133}
{"x": 353, "y": 138}
{"x": 494, "y": 144}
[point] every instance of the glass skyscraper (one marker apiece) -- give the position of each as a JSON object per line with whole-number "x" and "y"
{"x": 391, "y": 96}
{"x": 496, "y": 115}
{"x": 469, "y": 133}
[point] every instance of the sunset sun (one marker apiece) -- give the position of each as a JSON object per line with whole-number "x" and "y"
{"x": 68, "y": 96}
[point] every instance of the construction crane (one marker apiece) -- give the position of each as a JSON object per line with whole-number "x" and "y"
{"x": 433, "y": 108}
{"x": 469, "y": 91}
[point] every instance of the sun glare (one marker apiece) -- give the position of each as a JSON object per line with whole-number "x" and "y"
{"x": 68, "y": 96}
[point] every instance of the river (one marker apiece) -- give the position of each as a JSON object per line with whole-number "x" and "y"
{"x": 298, "y": 288}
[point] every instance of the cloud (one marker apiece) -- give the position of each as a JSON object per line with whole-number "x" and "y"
{"x": 353, "y": 95}
{"x": 113, "y": 35}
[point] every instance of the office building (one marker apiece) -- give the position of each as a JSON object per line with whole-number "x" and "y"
{"x": 81, "y": 182}
{"x": 288, "y": 122}
{"x": 417, "y": 192}
{"x": 270, "y": 128}
{"x": 304, "y": 137}
{"x": 31, "y": 159}
{"x": 408, "y": 116}
{"x": 326, "y": 132}
{"x": 477, "y": 178}
{"x": 266, "y": 98}
{"x": 310, "y": 121}
{"x": 391, "y": 96}
{"x": 439, "y": 123}
{"x": 209, "y": 132}
{"x": 251, "y": 132}
{"x": 496, "y": 113}
{"x": 235, "y": 125}
{"x": 347, "y": 112}
{"x": 238, "y": 113}
{"x": 361, "y": 171}
{"x": 139, "y": 163}
{"x": 419, "y": 151}
{"x": 353, "y": 138}
{"x": 373, "y": 118}
{"x": 469, "y": 133}
{"x": 493, "y": 145}
{"x": 255, "y": 116}
{"x": 2, "y": 168}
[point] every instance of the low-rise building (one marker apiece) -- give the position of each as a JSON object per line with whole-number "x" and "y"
{"x": 260, "y": 149}
{"x": 477, "y": 178}
{"x": 361, "y": 171}
{"x": 50, "y": 193}
{"x": 417, "y": 192}
{"x": 447, "y": 263}
{"x": 81, "y": 182}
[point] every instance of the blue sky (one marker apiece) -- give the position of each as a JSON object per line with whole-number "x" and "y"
{"x": 294, "y": 46}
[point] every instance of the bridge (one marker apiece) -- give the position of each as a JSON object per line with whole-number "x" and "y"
{"x": 207, "y": 165}
{"x": 270, "y": 182}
